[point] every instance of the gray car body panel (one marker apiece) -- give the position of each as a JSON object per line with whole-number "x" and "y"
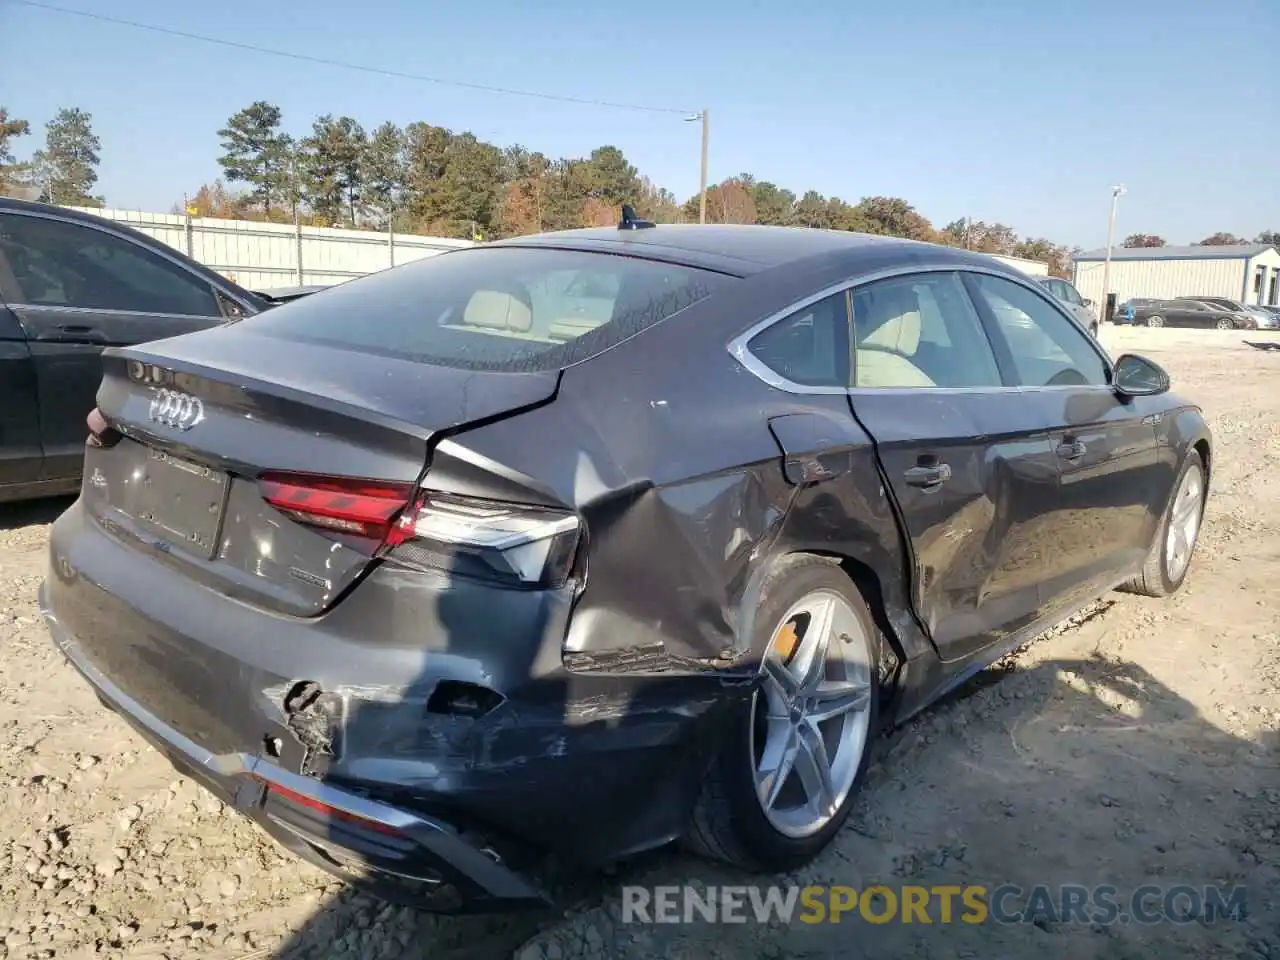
{"x": 691, "y": 476}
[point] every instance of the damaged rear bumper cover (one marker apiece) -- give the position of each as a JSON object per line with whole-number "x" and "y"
{"x": 400, "y": 855}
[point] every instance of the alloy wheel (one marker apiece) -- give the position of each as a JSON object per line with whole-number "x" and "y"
{"x": 811, "y": 714}
{"x": 1224, "y": 324}
{"x": 1184, "y": 523}
{"x": 1155, "y": 321}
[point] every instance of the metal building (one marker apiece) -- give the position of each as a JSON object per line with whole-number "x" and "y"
{"x": 1249, "y": 273}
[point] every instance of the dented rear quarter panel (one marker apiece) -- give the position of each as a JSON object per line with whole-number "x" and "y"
{"x": 683, "y": 487}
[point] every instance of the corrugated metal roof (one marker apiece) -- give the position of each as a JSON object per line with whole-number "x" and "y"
{"x": 1229, "y": 252}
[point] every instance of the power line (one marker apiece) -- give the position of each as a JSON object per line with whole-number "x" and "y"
{"x": 324, "y": 61}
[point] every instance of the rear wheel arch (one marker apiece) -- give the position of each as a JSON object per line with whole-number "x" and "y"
{"x": 892, "y": 652}
{"x": 864, "y": 579}
{"x": 1203, "y": 447}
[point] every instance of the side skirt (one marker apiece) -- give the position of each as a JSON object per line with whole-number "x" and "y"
{"x": 927, "y": 679}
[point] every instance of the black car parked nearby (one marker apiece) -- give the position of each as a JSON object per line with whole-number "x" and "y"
{"x": 70, "y": 285}
{"x": 439, "y": 596}
{"x": 1182, "y": 313}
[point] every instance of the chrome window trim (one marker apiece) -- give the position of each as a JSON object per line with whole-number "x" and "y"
{"x": 112, "y": 311}
{"x": 739, "y": 350}
{"x": 42, "y": 215}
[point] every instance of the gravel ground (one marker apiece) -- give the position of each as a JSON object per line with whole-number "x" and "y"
{"x": 1139, "y": 744}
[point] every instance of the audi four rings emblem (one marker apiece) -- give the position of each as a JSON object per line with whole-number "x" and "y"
{"x": 170, "y": 408}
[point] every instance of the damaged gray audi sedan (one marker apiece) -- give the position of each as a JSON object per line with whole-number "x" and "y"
{"x": 530, "y": 556}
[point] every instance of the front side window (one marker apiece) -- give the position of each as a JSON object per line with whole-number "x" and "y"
{"x": 810, "y": 347}
{"x": 920, "y": 331}
{"x": 60, "y": 264}
{"x": 495, "y": 308}
{"x": 1048, "y": 349}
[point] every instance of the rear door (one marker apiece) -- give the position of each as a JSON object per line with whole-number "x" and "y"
{"x": 1101, "y": 524}
{"x": 75, "y": 289}
{"x": 972, "y": 470}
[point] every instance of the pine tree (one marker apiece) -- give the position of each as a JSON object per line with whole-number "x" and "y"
{"x": 67, "y": 168}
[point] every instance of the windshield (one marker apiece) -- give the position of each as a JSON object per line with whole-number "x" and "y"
{"x": 503, "y": 308}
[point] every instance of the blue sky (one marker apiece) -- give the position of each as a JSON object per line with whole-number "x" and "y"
{"x": 1023, "y": 112}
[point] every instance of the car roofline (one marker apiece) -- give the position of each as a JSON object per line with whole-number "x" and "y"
{"x": 742, "y": 267}
{"x": 677, "y": 256}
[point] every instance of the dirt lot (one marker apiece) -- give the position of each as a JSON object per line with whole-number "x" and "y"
{"x": 1139, "y": 745}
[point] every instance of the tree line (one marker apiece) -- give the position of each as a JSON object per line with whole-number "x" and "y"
{"x": 1271, "y": 237}
{"x": 427, "y": 179}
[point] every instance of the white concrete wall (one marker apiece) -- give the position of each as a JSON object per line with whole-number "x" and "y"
{"x": 1162, "y": 279}
{"x": 1033, "y": 268}
{"x": 265, "y": 255}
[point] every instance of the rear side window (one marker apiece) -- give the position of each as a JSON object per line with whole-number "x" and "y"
{"x": 498, "y": 308}
{"x": 810, "y": 347}
{"x": 59, "y": 264}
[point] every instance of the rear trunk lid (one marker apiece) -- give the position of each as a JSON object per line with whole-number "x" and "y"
{"x": 215, "y": 423}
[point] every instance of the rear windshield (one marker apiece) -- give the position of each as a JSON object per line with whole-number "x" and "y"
{"x": 503, "y": 308}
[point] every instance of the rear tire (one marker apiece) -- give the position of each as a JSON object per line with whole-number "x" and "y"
{"x": 743, "y": 815}
{"x": 1166, "y": 566}
{"x": 1155, "y": 321}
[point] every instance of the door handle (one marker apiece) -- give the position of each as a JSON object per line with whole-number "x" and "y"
{"x": 78, "y": 331}
{"x": 927, "y": 476}
{"x": 1071, "y": 449}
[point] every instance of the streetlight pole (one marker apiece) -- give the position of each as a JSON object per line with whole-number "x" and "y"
{"x": 1116, "y": 193}
{"x": 702, "y": 181}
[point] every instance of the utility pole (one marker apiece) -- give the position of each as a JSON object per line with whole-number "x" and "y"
{"x": 702, "y": 180}
{"x": 1116, "y": 193}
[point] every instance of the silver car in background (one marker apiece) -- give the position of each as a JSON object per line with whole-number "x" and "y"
{"x": 1080, "y": 308}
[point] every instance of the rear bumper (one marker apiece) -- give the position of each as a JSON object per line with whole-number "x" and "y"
{"x": 378, "y": 782}
{"x": 400, "y": 855}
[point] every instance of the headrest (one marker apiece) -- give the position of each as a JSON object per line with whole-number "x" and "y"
{"x": 497, "y": 310}
{"x": 892, "y": 313}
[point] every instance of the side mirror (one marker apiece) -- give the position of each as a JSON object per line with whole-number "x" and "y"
{"x": 1136, "y": 376}
{"x": 1088, "y": 302}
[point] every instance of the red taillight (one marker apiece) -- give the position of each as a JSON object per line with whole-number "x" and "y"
{"x": 519, "y": 545}
{"x": 362, "y": 508}
{"x": 101, "y": 433}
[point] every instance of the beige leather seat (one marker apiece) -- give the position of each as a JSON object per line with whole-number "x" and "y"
{"x": 497, "y": 310}
{"x": 882, "y": 358}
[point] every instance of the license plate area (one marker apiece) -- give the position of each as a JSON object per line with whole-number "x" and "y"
{"x": 181, "y": 501}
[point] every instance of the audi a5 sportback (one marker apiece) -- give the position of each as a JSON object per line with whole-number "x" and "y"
{"x": 560, "y": 548}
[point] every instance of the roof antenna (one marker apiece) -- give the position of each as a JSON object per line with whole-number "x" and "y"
{"x": 631, "y": 222}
